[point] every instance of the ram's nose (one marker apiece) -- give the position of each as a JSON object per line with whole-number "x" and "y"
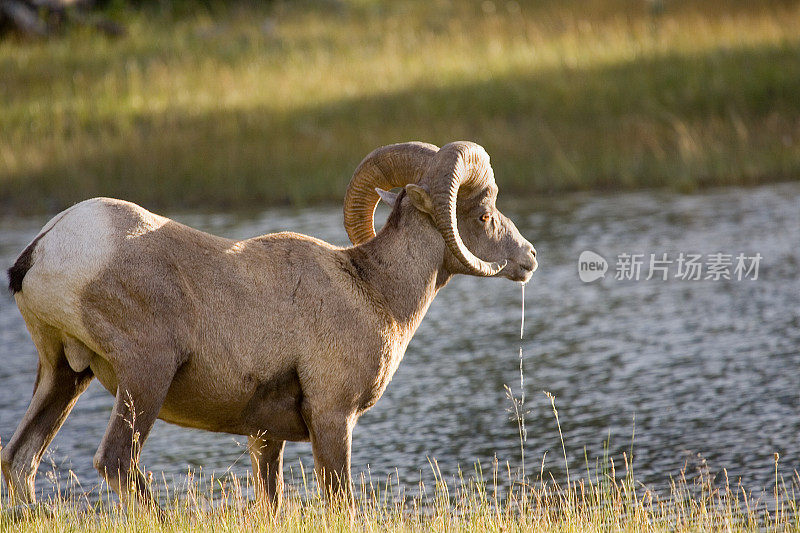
{"x": 531, "y": 262}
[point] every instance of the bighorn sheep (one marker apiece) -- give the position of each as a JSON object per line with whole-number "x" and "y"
{"x": 279, "y": 337}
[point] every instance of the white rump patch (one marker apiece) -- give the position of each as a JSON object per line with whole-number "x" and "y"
{"x": 79, "y": 245}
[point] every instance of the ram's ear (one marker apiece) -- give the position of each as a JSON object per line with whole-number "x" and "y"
{"x": 388, "y": 197}
{"x": 420, "y": 198}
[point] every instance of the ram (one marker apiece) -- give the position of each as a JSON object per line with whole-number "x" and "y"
{"x": 279, "y": 337}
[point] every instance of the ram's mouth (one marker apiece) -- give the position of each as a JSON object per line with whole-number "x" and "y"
{"x": 531, "y": 267}
{"x": 528, "y": 274}
{"x": 523, "y": 273}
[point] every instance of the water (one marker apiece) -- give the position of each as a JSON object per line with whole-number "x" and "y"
{"x": 710, "y": 370}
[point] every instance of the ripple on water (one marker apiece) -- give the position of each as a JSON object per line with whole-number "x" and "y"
{"x": 708, "y": 369}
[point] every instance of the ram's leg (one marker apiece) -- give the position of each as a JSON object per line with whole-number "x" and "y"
{"x": 56, "y": 390}
{"x": 331, "y": 438}
{"x": 267, "y": 458}
{"x": 138, "y": 402}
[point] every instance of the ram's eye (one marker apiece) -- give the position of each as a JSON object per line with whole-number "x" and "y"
{"x": 486, "y": 217}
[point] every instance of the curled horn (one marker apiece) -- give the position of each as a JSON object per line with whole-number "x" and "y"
{"x": 395, "y": 165}
{"x": 456, "y": 165}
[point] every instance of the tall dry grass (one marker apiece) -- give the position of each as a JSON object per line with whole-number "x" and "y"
{"x": 604, "y": 498}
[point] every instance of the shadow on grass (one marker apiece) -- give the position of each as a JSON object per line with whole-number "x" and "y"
{"x": 730, "y": 116}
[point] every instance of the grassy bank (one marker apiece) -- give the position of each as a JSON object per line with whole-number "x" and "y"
{"x": 274, "y": 103}
{"x": 605, "y": 496}
{"x": 603, "y": 501}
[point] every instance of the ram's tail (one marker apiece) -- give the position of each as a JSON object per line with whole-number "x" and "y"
{"x": 23, "y": 263}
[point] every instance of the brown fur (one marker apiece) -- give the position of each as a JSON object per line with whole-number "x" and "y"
{"x": 280, "y": 337}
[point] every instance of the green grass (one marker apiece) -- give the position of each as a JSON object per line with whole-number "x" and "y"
{"x": 270, "y": 103}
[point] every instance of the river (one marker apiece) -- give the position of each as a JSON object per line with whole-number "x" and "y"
{"x": 690, "y": 375}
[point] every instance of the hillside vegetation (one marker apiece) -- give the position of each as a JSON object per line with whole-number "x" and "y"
{"x": 252, "y": 104}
